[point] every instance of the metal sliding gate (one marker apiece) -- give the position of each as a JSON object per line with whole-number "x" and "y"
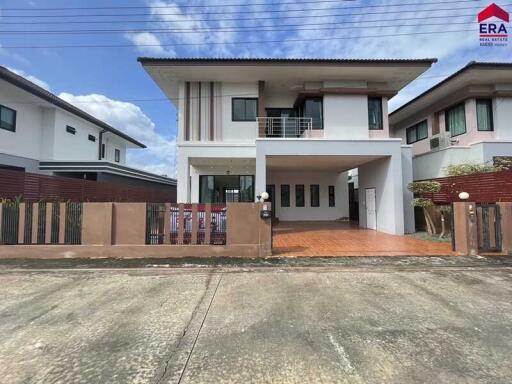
{"x": 489, "y": 227}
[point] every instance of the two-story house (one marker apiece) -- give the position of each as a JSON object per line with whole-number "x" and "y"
{"x": 465, "y": 118}
{"x": 292, "y": 128}
{"x": 42, "y": 133}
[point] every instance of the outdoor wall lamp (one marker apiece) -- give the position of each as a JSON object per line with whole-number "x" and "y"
{"x": 463, "y": 195}
{"x": 262, "y": 197}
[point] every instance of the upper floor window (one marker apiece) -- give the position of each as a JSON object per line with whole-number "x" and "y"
{"x": 103, "y": 150}
{"x": 455, "y": 119}
{"x": 417, "y": 132}
{"x": 313, "y": 108}
{"x": 375, "y": 113}
{"x": 484, "y": 115}
{"x": 7, "y": 118}
{"x": 117, "y": 155}
{"x": 70, "y": 129}
{"x": 244, "y": 109}
{"x": 91, "y": 138}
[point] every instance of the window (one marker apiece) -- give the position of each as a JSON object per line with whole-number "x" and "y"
{"x": 244, "y": 109}
{"x": 299, "y": 195}
{"x": 226, "y": 188}
{"x": 375, "y": 113}
{"x": 117, "y": 155}
{"x": 285, "y": 195}
{"x": 91, "y": 138}
{"x": 417, "y": 132}
{"x": 102, "y": 151}
{"x": 332, "y": 198}
{"x": 7, "y": 119}
{"x": 315, "y": 195}
{"x": 312, "y": 107}
{"x": 70, "y": 129}
{"x": 484, "y": 115}
{"x": 456, "y": 120}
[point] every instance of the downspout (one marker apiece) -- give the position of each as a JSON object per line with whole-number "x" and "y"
{"x": 100, "y": 142}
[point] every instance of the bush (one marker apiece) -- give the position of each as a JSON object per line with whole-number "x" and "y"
{"x": 469, "y": 169}
{"x": 420, "y": 187}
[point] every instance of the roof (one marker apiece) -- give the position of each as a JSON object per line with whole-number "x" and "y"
{"x": 467, "y": 67}
{"x": 268, "y": 60}
{"x": 42, "y": 93}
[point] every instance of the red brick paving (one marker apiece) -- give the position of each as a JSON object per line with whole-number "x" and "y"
{"x": 345, "y": 239}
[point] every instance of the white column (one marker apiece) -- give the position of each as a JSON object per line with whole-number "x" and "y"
{"x": 409, "y": 226}
{"x": 261, "y": 173}
{"x": 183, "y": 190}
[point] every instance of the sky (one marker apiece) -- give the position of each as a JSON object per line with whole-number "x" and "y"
{"x": 105, "y": 79}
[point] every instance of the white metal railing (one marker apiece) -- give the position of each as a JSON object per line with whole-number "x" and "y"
{"x": 285, "y": 126}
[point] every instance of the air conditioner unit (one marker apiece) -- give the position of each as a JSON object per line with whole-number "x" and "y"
{"x": 440, "y": 141}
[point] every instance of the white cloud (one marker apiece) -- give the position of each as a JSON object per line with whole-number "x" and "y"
{"x": 160, "y": 155}
{"x": 148, "y": 43}
{"x": 35, "y": 80}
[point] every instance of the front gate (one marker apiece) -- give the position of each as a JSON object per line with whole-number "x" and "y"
{"x": 489, "y": 227}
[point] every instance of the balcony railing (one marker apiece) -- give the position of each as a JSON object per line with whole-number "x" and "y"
{"x": 285, "y": 127}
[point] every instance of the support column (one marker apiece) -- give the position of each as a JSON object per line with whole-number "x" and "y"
{"x": 407, "y": 177}
{"x": 184, "y": 180}
{"x": 261, "y": 108}
{"x": 465, "y": 228}
{"x": 261, "y": 174}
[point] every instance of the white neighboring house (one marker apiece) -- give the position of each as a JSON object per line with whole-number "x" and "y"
{"x": 293, "y": 128}
{"x": 41, "y": 133}
{"x": 465, "y": 118}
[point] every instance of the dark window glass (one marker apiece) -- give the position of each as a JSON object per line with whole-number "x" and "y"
{"x": 91, "y": 138}
{"x": 7, "y": 118}
{"x": 315, "y": 195}
{"x": 375, "y": 113}
{"x": 484, "y": 115}
{"x": 103, "y": 151}
{"x": 207, "y": 189}
{"x": 244, "y": 109}
{"x": 455, "y": 119}
{"x": 247, "y": 189}
{"x": 117, "y": 155}
{"x": 313, "y": 107}
{"x": 285, "y": 195}
{"x": 70, "y": 129}
{"x": 332, "y": 198}
{"x": 417, "y": 132}
{"x": 299, "y": 195}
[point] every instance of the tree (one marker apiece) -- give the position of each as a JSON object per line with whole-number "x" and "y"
{"x": 421, "y": 188}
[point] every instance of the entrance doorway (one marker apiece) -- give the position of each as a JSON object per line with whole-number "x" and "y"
{"x": 271, "y": 190}
{"x": 371, "y": 213}
{"x": 226, "y": 188}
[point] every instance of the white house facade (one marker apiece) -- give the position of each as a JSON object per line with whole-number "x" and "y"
{"x": 292, "y": 128}
{"x": 41, "y": 133}
{"x": 465, "y": 118}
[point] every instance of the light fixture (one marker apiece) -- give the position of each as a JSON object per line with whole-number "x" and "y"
{"x": 463, "y": 195}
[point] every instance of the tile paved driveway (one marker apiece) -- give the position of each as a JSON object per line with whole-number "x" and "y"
{"x": 345, "y": 239}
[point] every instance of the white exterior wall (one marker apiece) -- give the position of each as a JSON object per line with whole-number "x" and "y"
{"x": 503, "y": 118}
{"x": 308, "y": 213}
{"x": 346, "y": 117}
{"x": 385, "y": 175}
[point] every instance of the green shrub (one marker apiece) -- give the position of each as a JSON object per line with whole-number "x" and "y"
{"x": 420, "y": 187}
{"x": 464, "y": 169}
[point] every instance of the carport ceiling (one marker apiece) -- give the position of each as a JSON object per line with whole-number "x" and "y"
{"x": 317, "y": 163}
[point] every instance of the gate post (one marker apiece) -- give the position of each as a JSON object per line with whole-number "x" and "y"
{"x": 465, "y": 228}
{"x": 506, "y": 227}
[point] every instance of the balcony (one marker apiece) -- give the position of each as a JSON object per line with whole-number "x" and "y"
{"x": 285, "y": 127}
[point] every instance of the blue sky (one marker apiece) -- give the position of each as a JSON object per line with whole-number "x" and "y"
{"x": 109, "y": 82}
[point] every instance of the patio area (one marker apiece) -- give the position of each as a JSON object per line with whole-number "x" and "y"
{"x": 332, "y": 238}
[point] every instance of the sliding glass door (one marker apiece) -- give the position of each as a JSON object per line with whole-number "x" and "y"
{"x": 226, "y": 188}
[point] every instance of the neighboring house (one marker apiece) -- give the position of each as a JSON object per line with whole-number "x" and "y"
{"x": 41, "y": 133}
{"x": 293, "y": 128}
{"x": 465, "y": 118}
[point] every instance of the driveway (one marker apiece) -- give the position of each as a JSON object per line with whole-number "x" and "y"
{"x": 377, "y": 322}
{"x": 334, "y": 238}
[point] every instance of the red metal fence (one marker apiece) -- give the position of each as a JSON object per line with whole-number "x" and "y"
{"x": 34, "y": 187}
{"x": 482, "y": 188}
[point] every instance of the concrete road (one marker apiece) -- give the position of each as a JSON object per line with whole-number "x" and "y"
{"x": 418, "y": 323}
